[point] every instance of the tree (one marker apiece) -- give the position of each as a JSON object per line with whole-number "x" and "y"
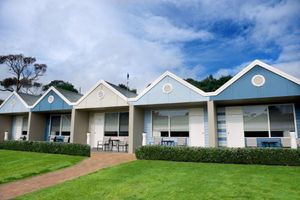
{"x": 209, "y": 84}
{"x": 25, "y": 73}
{"x": 127, "y": 88}
{"x": 61, "y": 84}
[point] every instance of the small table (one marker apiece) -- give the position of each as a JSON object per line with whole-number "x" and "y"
{"x": 112, "y": 141}
{"x": 168, "y": 142}
{"x": 269, "y": 144}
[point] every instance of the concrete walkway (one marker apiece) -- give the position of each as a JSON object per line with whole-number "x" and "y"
{"x": 95, "y": 162}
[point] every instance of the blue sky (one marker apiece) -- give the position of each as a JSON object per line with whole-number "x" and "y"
{"x": 85, "y": 41}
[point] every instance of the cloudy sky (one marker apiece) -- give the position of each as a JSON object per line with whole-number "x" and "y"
{"x": 85, "y": 41}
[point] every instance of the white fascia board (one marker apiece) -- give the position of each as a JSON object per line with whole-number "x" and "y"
{"x": 248, "y": 68}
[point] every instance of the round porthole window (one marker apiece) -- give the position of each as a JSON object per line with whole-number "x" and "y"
{"x": 101, "y": 94}
{"x": 258, "y": 80}
{"x": 167, "y": 88}
{"x": 50, "y": 99}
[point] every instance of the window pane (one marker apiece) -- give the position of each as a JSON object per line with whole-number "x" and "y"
{"x": 111, "y": 124}
{"x": 281, "y": 120}
{"x": 55, "y": 125}
{"x": 179, "y": 123}
{"x": 160, "y": 123}
{"x": 124, "y": 121}
{"x": 256, "y": 121}
{"x": 66, "y": 125}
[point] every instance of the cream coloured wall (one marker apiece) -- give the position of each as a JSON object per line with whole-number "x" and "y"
{"x": 5, "y": 125}
{"x": 109, "y": 99}
{"x": 196, "y": 126}
{"x": 36, "y": 126}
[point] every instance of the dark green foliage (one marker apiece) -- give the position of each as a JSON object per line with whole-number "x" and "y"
{"x": 209, "y": 84}
{"x": 127, "y": 88}
{"x": 261, "y": 156}
{"x": 47, "y": 147}
{"x": 61, "y": 84}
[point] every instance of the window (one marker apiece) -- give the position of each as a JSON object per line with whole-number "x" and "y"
{"x": 116, "y": 124}
{"x": 25, "y": 125}
{"x": 60, "y": 125}
{"x": 281, "y": 120}
{"x": 256, "y": 121}
{"x": 65, "y": 125}
{"x": 268, "y": 121}
{"x": 124, "y": 121}
{"x": 170, "y": 123}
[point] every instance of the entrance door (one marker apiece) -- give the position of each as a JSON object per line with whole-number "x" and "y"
{"x": 18, "y": 128}
{"x": 235, "y": 127}
{"x": 196, "y": 123}
{"x": 98, "y": 128}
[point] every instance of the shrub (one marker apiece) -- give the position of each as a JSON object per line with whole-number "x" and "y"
{"x": 261, "y": 156}
{"x": 47, "y": 147}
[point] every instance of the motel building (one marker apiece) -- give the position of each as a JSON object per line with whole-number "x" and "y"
{"x": 258, "y": 107}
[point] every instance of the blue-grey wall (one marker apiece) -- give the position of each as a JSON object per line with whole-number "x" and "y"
{"x": 13, "y": 105}
{"x": 180, "y": 93}
{"x": 56, "y": 105}
{"x": 275, "y": 86}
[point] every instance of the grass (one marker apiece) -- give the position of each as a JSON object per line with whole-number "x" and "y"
{"x": 174, "y": 180}
{"x": 16, "y": 165}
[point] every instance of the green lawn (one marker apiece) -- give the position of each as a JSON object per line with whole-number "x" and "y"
{"x": 173, "y": 180}
{"x": 20, "y": 164}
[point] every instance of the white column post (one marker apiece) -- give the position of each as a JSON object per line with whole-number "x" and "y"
{"x": 88, "y": 138}
{"x": 144, "y": 143}
{"x": 293, "y": 140}
{"x": 5, "y": 135}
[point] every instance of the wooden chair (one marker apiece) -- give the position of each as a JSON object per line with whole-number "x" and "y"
{"x": 157, "y": 141}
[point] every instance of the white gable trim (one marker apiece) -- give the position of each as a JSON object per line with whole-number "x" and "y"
{"x": 106, "y": 85}
{"x": 180, "y": 80}
{"x": 248, "y": 68}
{"x": 57, "y": 92}
{"x": 18, "y": 96}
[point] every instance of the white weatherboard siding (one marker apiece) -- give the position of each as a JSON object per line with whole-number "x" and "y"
{"x": 96, "y": 125}
{"x": 235, "y": 126}
{"x": 196, "y": 125}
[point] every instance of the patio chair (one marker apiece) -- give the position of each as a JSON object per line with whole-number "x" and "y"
{"x": 124, "y": 144}
{"x": 100, "y": 145}
{"x": 157, "y": 141}
{"x": 51, "y": 138}
{"x": 106, "y": 143}
{"x": 66, "y": 139}
{"x": 181, "y": 141}
{"x": 251, "y": 142}
{"x": 286, "y": 142}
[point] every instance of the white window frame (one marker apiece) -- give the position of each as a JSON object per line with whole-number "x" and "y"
{"x": 169, "y": 122}
{"x": 118, "y": 126}
{"x": 60, "y": 123}
{"x": 268, "y": 118}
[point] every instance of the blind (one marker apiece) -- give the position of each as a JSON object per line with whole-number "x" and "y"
{"x": 124, "y": 121}
{"x": 66, "y": 123}
{"x": 160, "y": 121}
{"x": 55, "y": 125}
{"x": 25, "y": 124}
{"x": 179, "y": 121}
{"x": 281, "y": 118}
{"x": 255, "y": 118}
{"x": 111, "y": 122}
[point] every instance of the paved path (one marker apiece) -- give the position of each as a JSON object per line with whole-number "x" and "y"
{"x": 95, "y": 162}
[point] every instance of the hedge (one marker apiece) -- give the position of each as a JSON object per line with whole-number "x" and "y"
{"x": 260, "y": 156}
{"x": 47, "y": 147}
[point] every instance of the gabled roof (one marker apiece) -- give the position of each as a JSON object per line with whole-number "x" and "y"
{"x": 27, "y": 99}
{"x": 180, "y": 80}
{"x": 69, "y": 97}
{"x": 248, "y": 68}
{"x": 122, "y": 93}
